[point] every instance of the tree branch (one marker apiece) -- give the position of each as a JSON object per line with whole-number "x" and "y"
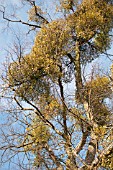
{"x": 18, "y": 21}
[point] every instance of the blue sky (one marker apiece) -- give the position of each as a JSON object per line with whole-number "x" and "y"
{"x": 7, "y": 38}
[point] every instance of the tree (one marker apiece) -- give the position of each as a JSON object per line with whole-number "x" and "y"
{"x": 62, "y": 129}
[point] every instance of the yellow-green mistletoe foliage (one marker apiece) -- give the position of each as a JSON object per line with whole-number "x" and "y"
{"x": 107, "y": 160}
{"x": 35, "y": 72}
{"x": 42, "y": 64}
{"x": 66, "y": 4}
{"x": 35, "y": 13}
{"x": 112, "y": 74}
{"x": 37, "y": 136}
{"x": 28, "y": 78}
{"x": 52, "y": 41}
{"x": 96, "y": 91}
{"x": 98, "y": 88}
{"x": 93, "y": 19}
{"x": 50, "y": 106}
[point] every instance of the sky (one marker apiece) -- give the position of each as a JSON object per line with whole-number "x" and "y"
{"x": 7, "y": 38}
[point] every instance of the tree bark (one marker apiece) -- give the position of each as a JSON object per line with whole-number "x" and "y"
{"x": 78, "y": 78}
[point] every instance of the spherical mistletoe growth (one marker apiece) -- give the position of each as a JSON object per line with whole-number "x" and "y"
{"x": 96, "y": 91}
{"x": 51, "y": 41}
{"x": 28, "y": 78}
{"x": 93, "y": 19}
